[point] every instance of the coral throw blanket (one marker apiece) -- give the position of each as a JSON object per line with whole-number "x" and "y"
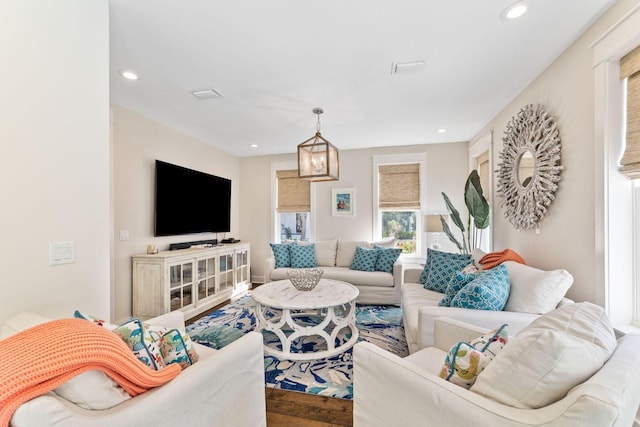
{"x": 37, "y": 360}
{"x": 494, "y": 259}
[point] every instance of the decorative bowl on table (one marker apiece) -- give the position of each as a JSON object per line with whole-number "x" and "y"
{"x": 305, "y": 279}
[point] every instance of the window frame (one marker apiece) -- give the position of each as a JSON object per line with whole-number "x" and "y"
{"x": 615, "y": 280}
{"x": 391, "y": 159}
{"x": 275, "y": 215}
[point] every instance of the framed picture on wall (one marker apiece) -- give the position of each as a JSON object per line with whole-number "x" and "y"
{"x": 343, "y": 202}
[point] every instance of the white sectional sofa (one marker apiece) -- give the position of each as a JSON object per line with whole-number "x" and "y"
{"x": 334, "y": 257}
{"x": 223, "y": 388}
{"x": 533, "y": 292}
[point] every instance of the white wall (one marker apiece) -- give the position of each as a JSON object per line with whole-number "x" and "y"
{"x": 54, "y": 155}
{"x": 567, "y": 238}
{"x": 138, "y": 142}
{"x": 447, "y": 170}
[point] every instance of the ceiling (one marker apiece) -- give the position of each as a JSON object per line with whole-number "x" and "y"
{"x": 274, "y": 61}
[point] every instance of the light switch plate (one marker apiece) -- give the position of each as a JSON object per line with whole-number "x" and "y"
{"x": 62, "y": 253}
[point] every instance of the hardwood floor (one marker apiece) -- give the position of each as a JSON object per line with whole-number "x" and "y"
{"x": 294, "y": 409}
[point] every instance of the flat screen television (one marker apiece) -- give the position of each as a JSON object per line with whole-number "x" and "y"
{"x": 188, "y": 201}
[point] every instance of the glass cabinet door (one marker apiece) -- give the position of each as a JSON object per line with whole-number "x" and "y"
{"x": 226, "y": 271}
{"x": 242, "y": 266}
{"x": 181, "y": 285}
{"x": 206, "y": 277}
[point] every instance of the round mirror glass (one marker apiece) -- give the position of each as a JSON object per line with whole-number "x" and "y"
{"x": 526, "y": 166}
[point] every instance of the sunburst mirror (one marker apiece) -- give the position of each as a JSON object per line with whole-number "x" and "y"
{"x": 529, "y": 168}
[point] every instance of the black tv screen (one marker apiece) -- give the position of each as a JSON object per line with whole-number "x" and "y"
{"x": 189, "y": 201}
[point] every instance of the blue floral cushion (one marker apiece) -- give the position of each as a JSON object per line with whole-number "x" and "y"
{"x": 282, "y": 254}
{"x": 386, "y": 258}
{"x": 303, "y": 256}
{"x": 364, "y": 259}
{"x": 442, "y": 267}
{"x": 457, "y": 282}
{"x": 488, "y": 291}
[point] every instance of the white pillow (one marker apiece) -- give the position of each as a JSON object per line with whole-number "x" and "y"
{"x": 535, "y": 291}
{"x": 92, "y": 390}
{"x": 555, "y": 353}
{"x": 347, "y": 250}
{"x": 325, "y": 251}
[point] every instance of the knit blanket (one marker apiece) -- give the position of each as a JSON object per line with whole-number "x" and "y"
{"x": 39, "y": 359}
{"x": 494, "y": 259}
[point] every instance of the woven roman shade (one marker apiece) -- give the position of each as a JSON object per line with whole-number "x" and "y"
{"x": 399, "y": 186}
{"x": 630, "y": 70}
{"x": 294, "y": 194}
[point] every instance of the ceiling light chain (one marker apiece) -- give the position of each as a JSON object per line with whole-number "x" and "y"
{"x": 318, "y": 111}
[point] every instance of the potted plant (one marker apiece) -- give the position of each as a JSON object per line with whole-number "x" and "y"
{"x": 478, "y": 208}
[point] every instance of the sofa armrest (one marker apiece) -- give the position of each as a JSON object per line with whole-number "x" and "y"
{"x": 269, "y": 266}
{"x": 482, "y": 318}
{"x": 448, "y": 332}
{"x": 411, "y": 272}
{"x": 171, "y": 320}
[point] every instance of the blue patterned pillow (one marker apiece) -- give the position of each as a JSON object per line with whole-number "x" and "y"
{"x": 303, "y": 256}
{"x": 386, "y": 258}
{"x": 282, "y": 254}
{"x": 457, "y": 282}
{"x": 488, "y": 291}
{"x": 364, "y": 259}
{"x": 442, "y": 267}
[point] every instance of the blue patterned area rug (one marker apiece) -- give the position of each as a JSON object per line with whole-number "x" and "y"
{"x": 332, "y": 377}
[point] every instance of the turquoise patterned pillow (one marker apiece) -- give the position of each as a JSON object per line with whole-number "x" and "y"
{"x": 442, "y": 267}
{"x": 282, "y": 254}
{"x": 303, "y": 256}
{"x": 365, "y": 259}
{"x": 136, "y": 335}
{"x": 457, "y": 282}
{"x": 488, "y": 291}
{"x": 386, "y": 258}
{"x": 433, "y": 254}
{"x": 177, "y": 347}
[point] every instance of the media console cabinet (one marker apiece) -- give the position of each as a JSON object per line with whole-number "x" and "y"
{"x": 192, "y": 280}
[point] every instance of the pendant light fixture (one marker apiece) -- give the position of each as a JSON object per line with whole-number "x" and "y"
{"x": 317, "y": 157}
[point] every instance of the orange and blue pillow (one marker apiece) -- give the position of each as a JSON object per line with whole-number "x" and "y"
{"x": 488, "y": 291}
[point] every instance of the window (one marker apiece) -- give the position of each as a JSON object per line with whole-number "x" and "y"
{"x": 398, "y": 209}
{"x": 615, "y": 244}
{"x": 293, "y": 206}
{"x": 480, "y": 159}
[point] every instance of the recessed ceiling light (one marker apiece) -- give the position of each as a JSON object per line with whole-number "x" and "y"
{"x": 407, "y": 66}
{"x": 206, "y": 94}
{"x": 253, "y": 145}
{"x": 516, "y": 10}
{"x": 129, "y": 75}
{"x": 441, "y": 130}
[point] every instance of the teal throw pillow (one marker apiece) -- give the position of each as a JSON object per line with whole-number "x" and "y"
{"x": 303, "y": 256}
{"x": 364, "y": 259}
{"x": 488, "y": 291}
{"x": 457, "y": 282}
{"x": 386, "y": 258}
{"x": 442, "y": 267}
{"x": 282, "y": 254}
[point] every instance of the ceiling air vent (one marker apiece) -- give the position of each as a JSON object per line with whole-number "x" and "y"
{"x": 206, "y": 94}
{"x": 400, "y": 67}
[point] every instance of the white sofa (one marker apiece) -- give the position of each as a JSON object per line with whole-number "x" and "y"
{"x": 224, "y": 388}
{"x": 420, "y": 306}
{"x": 334, "y": 257}
{"x": 391, "y": 391}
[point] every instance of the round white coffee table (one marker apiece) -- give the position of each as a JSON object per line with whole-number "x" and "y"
{"x": 279, "y": 304}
